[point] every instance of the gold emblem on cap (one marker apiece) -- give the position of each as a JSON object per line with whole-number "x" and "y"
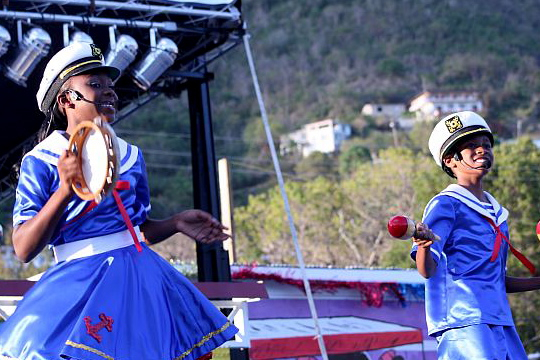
{"x": 95, "y": 50}
{"x": 453, "y": 124}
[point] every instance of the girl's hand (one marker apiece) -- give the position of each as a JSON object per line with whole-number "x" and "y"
{"x": 69, "y": 170}
{"x": 423, "y": 236}
{"x": 200, "y": 226}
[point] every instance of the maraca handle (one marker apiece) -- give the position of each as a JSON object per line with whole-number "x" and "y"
{"x": 435, "y": 236}
{"x": 404, "y": 228}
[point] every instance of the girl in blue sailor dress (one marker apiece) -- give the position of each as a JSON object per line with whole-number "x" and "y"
{"x": 106, "y": 298}
{"x": 467, "y": 309}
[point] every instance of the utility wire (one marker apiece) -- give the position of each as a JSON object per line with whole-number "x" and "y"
{"x": 231, "y": 157}
{"x": 279, "y": 175}
{"x": 183, "y": 135}
{"x": 248, "y": 169}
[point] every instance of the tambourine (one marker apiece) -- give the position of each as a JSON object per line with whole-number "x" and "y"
{"x": 96, "y": 146}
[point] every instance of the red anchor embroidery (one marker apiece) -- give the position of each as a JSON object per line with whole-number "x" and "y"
{"x": 106, "y": 322}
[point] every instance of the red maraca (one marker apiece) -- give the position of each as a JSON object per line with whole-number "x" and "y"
{"x": 402, "y": 227}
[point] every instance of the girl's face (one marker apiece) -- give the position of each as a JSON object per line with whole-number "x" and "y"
{"x": 88, "y": 96}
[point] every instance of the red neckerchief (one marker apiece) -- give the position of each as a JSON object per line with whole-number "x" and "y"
{"x": 498, "y": 241}
{"x": 124, "y": 185}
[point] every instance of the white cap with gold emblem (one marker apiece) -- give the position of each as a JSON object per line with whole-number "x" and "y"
{"x": 452, "y": 129}
{"x": 75, "y": 59}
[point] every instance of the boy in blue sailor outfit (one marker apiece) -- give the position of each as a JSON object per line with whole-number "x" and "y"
{"x": 108, "y": 297}
{"x": 466, "y": 305}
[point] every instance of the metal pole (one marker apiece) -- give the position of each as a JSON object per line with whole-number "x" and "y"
{"x": 279, "y": 175}
{"x": 212, "y": 259}
{"x": 226, "y": 206}
{"x": 393, "y": 126}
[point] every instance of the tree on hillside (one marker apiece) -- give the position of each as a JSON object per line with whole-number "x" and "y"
{"x": 352, "y": 156}
{"x": 515, "y": 183}
{"x": 399, "y": 183}
{"x": 263, "y": 233}
{"x": 316, "y": 164}
{"x": 340, "y": 223}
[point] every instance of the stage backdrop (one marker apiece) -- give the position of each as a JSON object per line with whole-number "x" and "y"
{"x": 373, "y": 314}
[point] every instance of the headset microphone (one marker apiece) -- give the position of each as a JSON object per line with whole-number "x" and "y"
{"x": 486, "y": 165}
{"x": 77, "y": 96}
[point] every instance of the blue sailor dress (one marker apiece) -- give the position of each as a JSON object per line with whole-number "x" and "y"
{"x": 121, "y": 304}
{"x": 468, "y": 288}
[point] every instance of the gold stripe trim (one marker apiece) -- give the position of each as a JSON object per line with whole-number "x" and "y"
{"x": 68, "y": 70}
{"x": 88, "y": 348}
{"x": 186, "y": 353}
{"x": 462, "y": 135}
{"x": 204, "y": 339}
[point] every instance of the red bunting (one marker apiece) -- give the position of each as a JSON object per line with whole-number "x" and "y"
{"x": 373, "y": 292}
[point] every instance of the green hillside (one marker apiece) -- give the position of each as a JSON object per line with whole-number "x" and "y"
{"x": 327, "y": 58}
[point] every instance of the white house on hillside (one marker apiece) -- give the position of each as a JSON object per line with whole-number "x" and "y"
{"x": 433, "y": 104}
{"x": 393, "y": 111}
{"x": 325, "y": 136}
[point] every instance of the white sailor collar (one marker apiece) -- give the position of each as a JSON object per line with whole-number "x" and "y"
{"x": 50, "y": 149}
{"x": 466, "y": 197}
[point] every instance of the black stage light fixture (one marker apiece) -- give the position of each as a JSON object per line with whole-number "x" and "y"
{"x": 121, "y": 52}
{"x": 5, "y": 39}
{"x": 154, "y": 63}
{"x": 34, "y": 46}
{"x": 79, "y": 36}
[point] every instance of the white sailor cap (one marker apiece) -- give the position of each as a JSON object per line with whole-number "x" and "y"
{"x": 74, "y": 59}
{"x": 452, "y": 129}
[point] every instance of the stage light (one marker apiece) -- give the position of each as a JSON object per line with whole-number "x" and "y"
{"x": 34, "y": 46}
{"x": 5, "y": 39}
{"x": 123, "y": 53}
{"x": 154, "y": 63}
{"x": 79, "y": 36}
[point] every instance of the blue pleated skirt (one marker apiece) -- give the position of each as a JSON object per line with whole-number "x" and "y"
{"x": 480, "y": 342}
{"x": 122, "y": 304}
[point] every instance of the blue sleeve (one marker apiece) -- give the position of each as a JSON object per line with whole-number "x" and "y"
{"x": 33, "y": 189}
{"x": 143, "y": 191}
{"x": 439, "y": 216}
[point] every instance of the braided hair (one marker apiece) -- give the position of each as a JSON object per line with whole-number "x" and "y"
{"x": 55, "y": 119}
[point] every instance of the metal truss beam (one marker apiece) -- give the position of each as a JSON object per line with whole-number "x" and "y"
{"x": 230, "y": 14}
{"x": 24, "y": 15}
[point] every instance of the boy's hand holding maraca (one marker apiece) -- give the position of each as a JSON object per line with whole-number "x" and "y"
{"x": 404, "y": 228}
{"x": 423, "y": 236}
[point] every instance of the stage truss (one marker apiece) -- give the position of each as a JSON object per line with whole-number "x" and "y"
{"x": 203, "y": 31}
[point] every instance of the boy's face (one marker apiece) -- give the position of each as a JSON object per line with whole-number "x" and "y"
{"x": 476, "y": 157}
